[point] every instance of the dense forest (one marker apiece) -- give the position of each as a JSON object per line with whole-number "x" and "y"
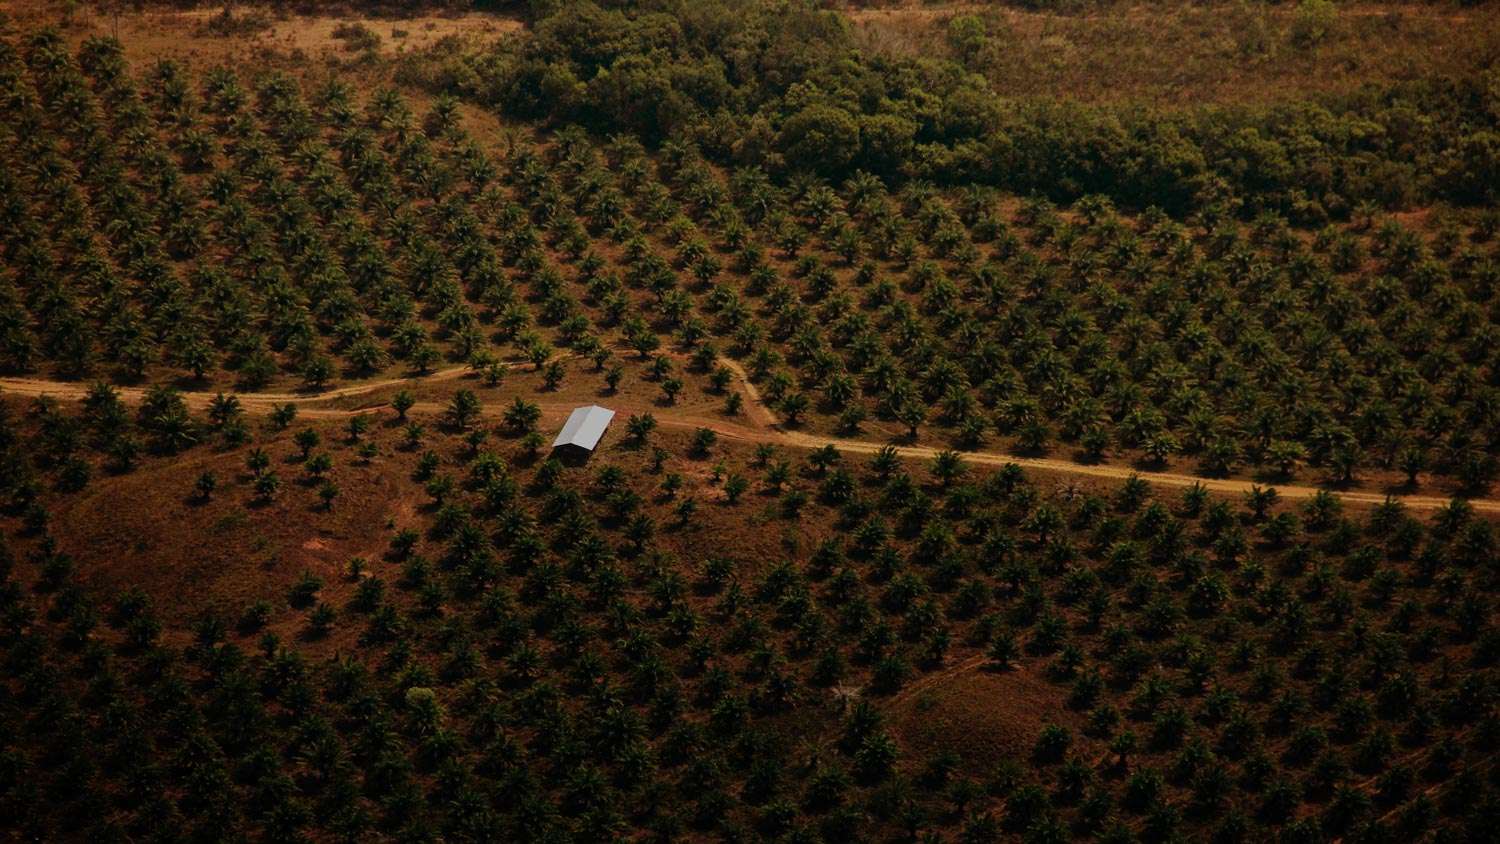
{"x": 780, "y": 85}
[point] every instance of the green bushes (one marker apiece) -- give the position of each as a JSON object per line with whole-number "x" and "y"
{"x": 724, "y": 74}
{"x": 1313, "y": 22}
{"x": 1470, "y": 169}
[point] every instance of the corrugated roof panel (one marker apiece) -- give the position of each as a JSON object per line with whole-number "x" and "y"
{"x": 584, "y": 427}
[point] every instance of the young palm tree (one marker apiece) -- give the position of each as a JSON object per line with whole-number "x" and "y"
{"x": 640, "y": 426}
{"x": 948, "y": 466}
{"x": 793, "y": 405}
{"x": 521, "y": 416}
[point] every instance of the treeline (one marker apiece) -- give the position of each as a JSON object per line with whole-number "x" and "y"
{"x": 783, "y": 85}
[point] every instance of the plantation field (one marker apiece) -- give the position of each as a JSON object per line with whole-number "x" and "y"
{"x": 1116, "y": 659}
{"x": 378, "y": 242}
{"x": 1035, "y": 422}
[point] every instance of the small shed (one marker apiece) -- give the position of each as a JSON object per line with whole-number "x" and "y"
{"x": 581, "y": 433}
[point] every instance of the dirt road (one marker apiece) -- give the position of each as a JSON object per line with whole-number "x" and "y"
{"x": 763, "y": 426}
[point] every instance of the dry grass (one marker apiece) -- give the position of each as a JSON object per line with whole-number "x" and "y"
{"x": 149, "y": 529}
{"x": 979, "y": 714}
{"x": 263, "y": 35}
{"x": 1227, "y": 51}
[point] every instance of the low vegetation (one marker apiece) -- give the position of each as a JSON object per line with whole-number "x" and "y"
{"x": 1222, "y": 52}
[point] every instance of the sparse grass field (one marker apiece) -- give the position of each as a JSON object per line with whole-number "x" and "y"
{"x": 1181, "y": 54}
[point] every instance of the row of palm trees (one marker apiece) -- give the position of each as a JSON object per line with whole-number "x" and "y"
{"x": 308, "y": 292}
{"x": 1107, "y": 338}
{"x": 1091, "y": 328}
{"x": 545, "y": 666}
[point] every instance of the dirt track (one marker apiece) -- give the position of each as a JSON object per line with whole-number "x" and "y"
{"x": 764, "y": 426}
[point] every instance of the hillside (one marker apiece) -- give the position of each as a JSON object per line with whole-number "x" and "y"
{"x": 989, "y": 464}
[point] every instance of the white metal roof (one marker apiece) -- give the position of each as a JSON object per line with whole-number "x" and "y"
{"x": 584, "y": 427}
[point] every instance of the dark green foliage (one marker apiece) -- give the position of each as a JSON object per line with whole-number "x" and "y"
{"x": 722, "y": 75}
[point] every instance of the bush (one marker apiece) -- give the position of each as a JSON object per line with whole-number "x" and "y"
{"x": 357, "y": 37}
{"x": 1313, "y": 22}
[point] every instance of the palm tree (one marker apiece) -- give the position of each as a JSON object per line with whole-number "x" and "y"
{"x": 1286, "y": 455}
{"x": 266, "y": 486}
{"x": 1259, "y": 500}
{"x": 777, "y": 474}
{"x": 123, "y": 450}
{"x": 1412, "y": 460}
{"x": 319, "y": 465}
{"x": 357, "y": 426}
{"x": 282, "y": 416}
{"x": 824, "y": 458}
{"x": 1003, "y": 650}
{"x": 948, "y": 466}
{"x": 703, "y": 441}
{"x": 670, "y": 388}
{"x": 793, "y": 405}
{"x": 1344, "y": 460}
{"x": 853, "y": 417}
{"x": 223, "y": 408}
{"x": 307, "y": 439}
{"x": 639, "y": 427}
{"x": 206, "y": 484}
{"x": 1280, "y": 529}
{"x": 403, "y": 402}
{"x": 735, "y": 486}
{"x": 258, "y": 461}
{"x": 1221, "y": 455}
{"x": 912, "y": 414}
{"x": 1034, "y": 435}
{"x": 1044, "y": 522}
{"x": 521, "y": 416}
{"x": 317, "y": 371}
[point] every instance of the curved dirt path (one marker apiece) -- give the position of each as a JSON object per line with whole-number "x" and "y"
{"x": 765, "y": 427}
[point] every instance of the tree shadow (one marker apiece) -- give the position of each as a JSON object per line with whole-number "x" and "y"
{"x": 573, "y": 458}
{"x": 1083, "y": 457}
{"x": 1147, "y": 464}
{"x": 190, "y": 383}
